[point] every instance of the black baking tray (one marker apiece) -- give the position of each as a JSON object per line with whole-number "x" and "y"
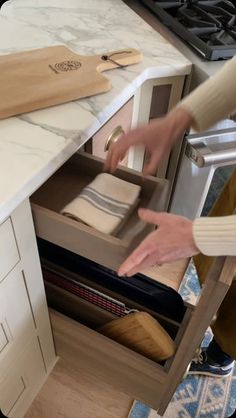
{"x": 138, "y": 288}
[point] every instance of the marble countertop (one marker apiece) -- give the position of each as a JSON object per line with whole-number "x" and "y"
{"x": 34, "y": 145}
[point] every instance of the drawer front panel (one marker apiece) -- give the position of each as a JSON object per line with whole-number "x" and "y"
{"x": 23, "y": 379}
{"x": 16, "y": 320}
{"x": 9, "y": 255}
{"x": 122, "y": 119}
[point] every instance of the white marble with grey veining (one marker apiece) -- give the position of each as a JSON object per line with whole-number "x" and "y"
{"x": 34, "y": 145}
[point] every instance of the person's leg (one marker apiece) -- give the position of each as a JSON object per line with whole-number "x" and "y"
{"x": 223, "y": 328}
{"x": 217, "y": 355}
{"x": 212, "y": 361}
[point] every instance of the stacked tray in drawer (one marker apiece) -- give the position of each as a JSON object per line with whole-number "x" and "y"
{"x": 74, "y": 278}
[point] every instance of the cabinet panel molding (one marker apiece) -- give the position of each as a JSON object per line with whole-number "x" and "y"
{"x": 3, "y": 337}
{"x": 26, "y": 240}
{"x": 9, "y": 254}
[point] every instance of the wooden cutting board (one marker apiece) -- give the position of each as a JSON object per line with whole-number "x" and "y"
{"x": 142, "y": 333}
{"x": 45, "y": 77}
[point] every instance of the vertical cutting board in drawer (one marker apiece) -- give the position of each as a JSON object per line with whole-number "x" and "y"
{"x": 79, "y": 238}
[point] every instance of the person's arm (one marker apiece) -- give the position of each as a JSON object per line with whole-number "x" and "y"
{"x": 215, "y": 236}
{"x": 170, "y": 241}
{"x": 177, "y": 237}
{"x": 214, "y": 99}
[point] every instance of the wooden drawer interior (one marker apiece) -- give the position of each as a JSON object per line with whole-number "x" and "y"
{"x": 127, "y": 370}
{"x": 77, "y": 237}
{"x": 111, "y": 362}
{"x": 101, "y": 301}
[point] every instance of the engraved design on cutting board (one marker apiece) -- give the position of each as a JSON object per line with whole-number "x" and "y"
{"x": 64, "y": 66}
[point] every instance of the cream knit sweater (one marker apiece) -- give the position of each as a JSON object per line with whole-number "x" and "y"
{"x": 214, "y": 100}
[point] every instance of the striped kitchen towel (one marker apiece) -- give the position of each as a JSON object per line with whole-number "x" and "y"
{"x": 104, "y": 204}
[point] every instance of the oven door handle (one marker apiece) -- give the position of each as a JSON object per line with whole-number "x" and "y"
{"x": 202, "y": 156}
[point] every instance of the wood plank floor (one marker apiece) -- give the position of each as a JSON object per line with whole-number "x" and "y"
{"x": 70, "y": 392}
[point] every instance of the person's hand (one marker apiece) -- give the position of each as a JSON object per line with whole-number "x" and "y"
{"x": 171, "y": 241}
{"x": 158, "y": 138}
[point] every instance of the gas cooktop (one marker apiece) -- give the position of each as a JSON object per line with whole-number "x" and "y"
{"x": 207, "y": 26}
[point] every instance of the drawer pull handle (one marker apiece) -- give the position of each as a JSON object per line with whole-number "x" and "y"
{"x": 113, "y": 137}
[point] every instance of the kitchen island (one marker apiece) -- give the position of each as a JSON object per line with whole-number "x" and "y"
{"x": 34, "y": 145}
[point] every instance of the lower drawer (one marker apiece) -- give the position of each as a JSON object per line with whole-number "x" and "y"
{"x": 22, "y": 381}
{"x": 127, "y": 370}
{"x": 79, "y": 238}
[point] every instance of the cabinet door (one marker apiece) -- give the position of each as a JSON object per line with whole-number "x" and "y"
{"x": 121, "y": 122}
{"x": 30, "y": 264}
{"x": 16, "y": 320}
{"x": 21, "y": 382}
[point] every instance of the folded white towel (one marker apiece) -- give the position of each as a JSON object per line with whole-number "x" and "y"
{"x": 104, "y": 204}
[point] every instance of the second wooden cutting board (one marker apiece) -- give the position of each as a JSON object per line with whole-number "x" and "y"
{"x": 45, "y": 77}
{"x": 142, "y": 333}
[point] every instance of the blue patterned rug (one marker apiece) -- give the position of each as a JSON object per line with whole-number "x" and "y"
{"x": 196, "y": 396}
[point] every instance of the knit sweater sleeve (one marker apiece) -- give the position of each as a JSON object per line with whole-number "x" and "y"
{"x": 215, "y": 236}
{"x": 214, "y": 99}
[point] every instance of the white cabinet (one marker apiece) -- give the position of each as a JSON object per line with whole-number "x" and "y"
{"x": 27, "y": 352}
{"x": 26, "y": 346}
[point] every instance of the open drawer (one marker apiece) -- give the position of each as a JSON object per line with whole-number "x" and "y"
{"x": 111, "y": 362}
{"x": 81, "y": 290}
{"x": 79, "y": 238}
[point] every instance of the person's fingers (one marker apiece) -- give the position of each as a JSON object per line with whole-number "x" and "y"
{"x": 107, "y": 163}
{"x": 115, "y": 159}
{"x": 122, "y": 155}
{"x": 151, "y": 217}
{"x": 145, "y": 249}
{"x": 117, "y": 152}
{"x": 147, "y": 262}
{"x": 112, "y": 160}
{"x": 150, "y": 167}
{"x": 132, "y": 261}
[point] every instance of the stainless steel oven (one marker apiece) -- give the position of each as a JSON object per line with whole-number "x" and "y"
{"x": 208, "y": 160}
